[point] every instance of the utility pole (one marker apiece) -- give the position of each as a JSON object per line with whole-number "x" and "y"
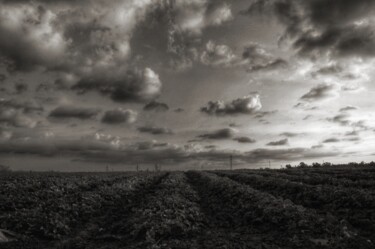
{"x": 231, "y": 162}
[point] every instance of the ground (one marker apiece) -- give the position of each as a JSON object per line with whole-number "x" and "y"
{"x": 290, "y": 208}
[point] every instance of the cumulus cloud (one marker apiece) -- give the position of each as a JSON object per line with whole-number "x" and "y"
{"x": 156, "y": 106}
{"x": 193, "y": 16}
{"x": 218, "y": 55}
{"x": 155, "y": 130}
{"x": 14, "y": 118}
{"x": 225, "y": 133}
{"x": 279, "y": 142}
{"x": 257, "y": 58}
{"x": 128, "y": 86}
{"x": 119, "y": 116}
{"x": 114, "y": 141}
{"x": 254, "y": 57}
{"x": 28, "y": 38}
{"x": 186, "y": 21}
{"x": 321, "y": 92}
{"x": 89, "y": 42}
{"x": 244, "y": 140}
{"x": 69, "y": 111}
{"x": 245, "y": 105}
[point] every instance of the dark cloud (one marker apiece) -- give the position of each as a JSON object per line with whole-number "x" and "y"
{"x": 321, "y": 92}
{"x": 25, "y": 106}
{"x": 290, "y": 134}
{"x": 91, "y": 47}
{"x": 148, "y": 145}
{"x": 244, "y": 140}
{"x": 179, "y": 110}
{"x": 305, "y": 106}
{"x": 225, "y": 133}
{"x": 3, "y": 77}
{"x": 353, "y": 139}
{"x": 352, "y": 133}
{"x": 348, "y": 108}
{"x": 20, "y": 88}
{"x": 328, "y": 70}
{"x": 292, "y": 154}
{"x": 279, "y": 142}
{"x": 155, "y": 130}
{"x": 338, "y": 28}
{"x": 129, "y": 86}
{"x": 351, "y": 87}
{"x": 234, "y": 125}
{"x": 31, "y": 41}
{"x": 119, "y": 116}
{"x": 345, "y": 119}
{"x": 156, "y": 106}
{"x": 262, "y": 114}
{"x": 211, "y": 147}
{"x": 245, "y": 105}
{"x": 318, "y": 146}
{"x": 342, "y": 119}
{"x": 74, "y": 112}
{"x": 335, "y": 70}
{"x": 331, "y": 140}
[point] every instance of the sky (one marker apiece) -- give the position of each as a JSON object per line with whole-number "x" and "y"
{"x": 186, "y": 83}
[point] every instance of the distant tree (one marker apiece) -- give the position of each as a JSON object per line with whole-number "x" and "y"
{"x": 288, "y": 166}
{"x": 372, "y": 163}
{"x": 316, "y": 165}
{"x": 327, "y": 164}
{"x": 302, "y": 165}
{"x": 353, "y": 164}
{"x": 362, "y": 163}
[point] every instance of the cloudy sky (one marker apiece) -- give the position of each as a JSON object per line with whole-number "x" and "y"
{"x": 185, "y": 83}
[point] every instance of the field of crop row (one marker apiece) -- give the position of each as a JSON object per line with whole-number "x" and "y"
{"x": 313, "y": 208}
